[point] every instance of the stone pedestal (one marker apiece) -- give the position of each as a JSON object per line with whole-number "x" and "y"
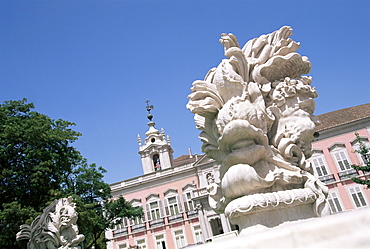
{"x": 260, "y": 221}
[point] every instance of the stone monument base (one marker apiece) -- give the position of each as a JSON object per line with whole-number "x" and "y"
{"x": 262, "y": 220}
{"x": 343, "y": 230}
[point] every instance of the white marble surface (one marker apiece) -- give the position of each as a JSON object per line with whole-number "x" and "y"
{"x": 343, "y": 230}
{"x": 56, "y": 227}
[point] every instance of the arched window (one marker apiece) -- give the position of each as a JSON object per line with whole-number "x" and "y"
{"x": 156, "y": 162}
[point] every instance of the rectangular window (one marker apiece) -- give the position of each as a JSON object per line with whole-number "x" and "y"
{"x": 187, "y": 198}
{"x": 334, "y": 202}
{"x": 198, "y": 236}
{"x": 122, "y": 246}
{"x": 140, "y": 244}
{"x": 357, "y": 196}
{"x": 160, "y": 242}
{"x": 342, "y": 160}
{"x": 125, "y": 222}
{"x": 154, "y": 210}
{"x": 320, "y": 166}
{"x": 363, "y": 147}
{"x": 180, "y": 239}
{"x": 136, "y": 221}
{"x": 173, "y": 207}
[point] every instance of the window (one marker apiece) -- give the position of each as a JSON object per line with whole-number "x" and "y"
{"x": 122, "y": 246}
{"x": 160, "y": 242}
{"x": 180, "y": 239}
{"x": 173, "y": 206}
{"x": 121, "y": 225}
{"x": 136, "y": 221}
{"x": 140, "y": 244}
{"x": 156, "y": 162}
{"x": 198, "y": 236}
{"x": 334, "y": 202}
{"x": 154, "y": 210}
{"x": 320, "y": 165}
{"x": 357, "y": 196}
{"x": 358, "y": 146}
{"x": 342, "y": 160}
{"x": 189, "y": 205}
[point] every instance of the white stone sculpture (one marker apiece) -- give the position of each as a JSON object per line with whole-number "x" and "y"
{"x": 56, "y": 228}
{"x": 255, "y": 111}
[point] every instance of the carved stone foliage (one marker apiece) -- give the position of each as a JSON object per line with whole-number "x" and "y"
{"x": 255, "y": 113}
{"x": 56, "y": 228}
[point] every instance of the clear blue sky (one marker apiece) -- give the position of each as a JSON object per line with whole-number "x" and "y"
{"x": 95, "y": 62}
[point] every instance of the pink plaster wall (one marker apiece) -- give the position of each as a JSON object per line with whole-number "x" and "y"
{"x": 341, "y": 186}
{"x": 168, "y": 229}
{"x": 161, "y": 189}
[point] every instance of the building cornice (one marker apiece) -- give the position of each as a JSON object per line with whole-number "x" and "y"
{"x": 154, "y": 179}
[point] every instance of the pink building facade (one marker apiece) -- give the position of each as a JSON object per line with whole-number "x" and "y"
{"x": 335, "y": 152}
{"x": 174, "y": 192}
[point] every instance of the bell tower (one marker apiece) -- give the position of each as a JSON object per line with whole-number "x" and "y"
{"x": 156, "y": 151}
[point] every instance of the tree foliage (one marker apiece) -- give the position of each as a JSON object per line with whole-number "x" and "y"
{"x": 364, "y": 151}
{"x": 38, "y": 164}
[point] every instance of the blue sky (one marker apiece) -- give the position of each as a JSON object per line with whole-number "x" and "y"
{"x": 96, "y": 62}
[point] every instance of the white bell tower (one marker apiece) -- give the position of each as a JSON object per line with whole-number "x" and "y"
{"x": 156, "y": 152}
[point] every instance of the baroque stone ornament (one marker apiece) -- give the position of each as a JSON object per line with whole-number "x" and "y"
{"x": 255, "y": 111}
{"x": 56, "y": 228}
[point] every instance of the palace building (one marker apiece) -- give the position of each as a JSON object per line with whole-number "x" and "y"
{"x": 174, "y": 192}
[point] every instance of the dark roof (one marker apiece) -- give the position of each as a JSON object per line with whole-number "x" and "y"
{"x": 343, "y": 116}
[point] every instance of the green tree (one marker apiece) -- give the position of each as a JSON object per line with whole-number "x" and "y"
{"x": 364, "y": 151}
{"x": 97, "y": 212}
{"x": 38, "y": 164}
{"x": 35, "y": 155}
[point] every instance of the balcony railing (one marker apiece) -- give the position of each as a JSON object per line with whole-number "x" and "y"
{"x": 327, "y": 178}
{"x": 192, "y": 213}
{"x": 120, "y": 232}
{"x": 347, "y": 174}
{"x": 156, "y": 223}
{"x": 138, "y": 227}
{"x": 174, "y": 218}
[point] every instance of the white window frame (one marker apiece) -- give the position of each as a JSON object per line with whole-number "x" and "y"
{"x": 136, "y": 220}
{"x": 188, "y": 203}
{"x": 122, "y": 246}
{"x": 173, "y": 205}
{"x": 142, "y": 245}
{"x": 197, "y": 238}
{"x": 176, "y": 237}
{"x": 319, "y": 164}
{"x": 356, "y": 146}
{"x": 335, "y": 202}
{"x": 341, "y": 152}
{"x": 125, "y": 223}
{"x": 160, "y": 240}
{"x": 150, "y": 211}
{"x": 154, "y": 212}
{"x": 355, "y": 192}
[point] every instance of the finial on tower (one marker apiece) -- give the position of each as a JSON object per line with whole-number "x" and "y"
{"x": 151, "y": 124}
{"x": 149, "y": 108}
